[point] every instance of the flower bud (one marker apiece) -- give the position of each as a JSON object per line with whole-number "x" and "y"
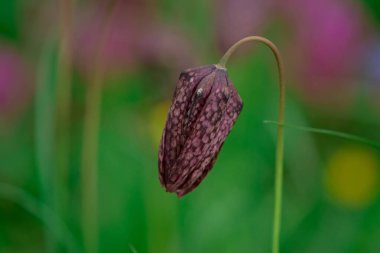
{"x": 204, "y": 109}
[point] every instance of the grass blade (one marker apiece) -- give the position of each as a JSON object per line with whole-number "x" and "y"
{"x": 44, "y": 128}
{"x": 334, "y": 133}
{"x": 52, "y": 223}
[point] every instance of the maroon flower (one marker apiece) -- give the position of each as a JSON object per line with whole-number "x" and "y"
{"x": 205, "y": 106}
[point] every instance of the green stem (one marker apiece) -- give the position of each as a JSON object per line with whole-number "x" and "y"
{"x": 44, "y": 130}
{"x": 280, "y": 132}
{"x": 350, "y": 137}
{"x": 89, "y": 167}
{"x": 89, "y": 171}
{"x": 63, "y": 105}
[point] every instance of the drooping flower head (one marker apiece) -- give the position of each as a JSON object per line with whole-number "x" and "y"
{"x": 204, "y": 109}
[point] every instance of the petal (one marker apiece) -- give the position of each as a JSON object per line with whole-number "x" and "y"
{"x": 232, "y": 111}
{"x": 199, "y": 151}
{"x": 197, "y": 103}
{"x": 171, "y": 137}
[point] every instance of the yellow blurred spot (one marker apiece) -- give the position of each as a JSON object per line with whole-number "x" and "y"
{"x": 352, "y": 176}
{"x": 157, "y": 120}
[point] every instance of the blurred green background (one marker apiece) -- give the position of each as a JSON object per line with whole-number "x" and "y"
{"x": 85, "y": 87}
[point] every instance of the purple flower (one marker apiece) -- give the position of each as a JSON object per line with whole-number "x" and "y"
{"x": 132, "y": 37}
{"x": 370, "y": 65}
{"x": 333, "y": 36}
{"x": 328, "y": 43}
{"x": 326, "y": 38}
{"x": 204, "y": 109}
{"x": 121, "y": 28}
{"x": 15, "y": 84}
{"x": 240, "y": 18}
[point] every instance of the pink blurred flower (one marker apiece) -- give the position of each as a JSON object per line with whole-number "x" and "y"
{"x": 326, "y": 38}
{"x": 240, "y": 18}
{"x": 371, "y": 62}
{"x": 15, "y": 82}
{"x": 166, "y": 45}
{"x": 328, "y": 42}
{"x": 118, "y": 47}
{"x": 132, "y": 37}
{"x": 370, "y": 67}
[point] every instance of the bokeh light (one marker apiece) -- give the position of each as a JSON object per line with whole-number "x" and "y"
{"x": 352, "y": 176}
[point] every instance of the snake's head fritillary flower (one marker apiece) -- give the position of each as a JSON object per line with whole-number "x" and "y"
{"x": 204, "y": 109}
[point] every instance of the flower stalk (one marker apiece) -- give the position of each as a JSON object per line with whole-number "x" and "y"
{"x": 204, "y": 109}
{"x": 280, "y": 132}
{"x": 64, "y": 83}
{"x": 89, "y": 162}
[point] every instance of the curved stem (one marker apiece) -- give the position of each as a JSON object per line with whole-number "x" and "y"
{"x": 280, "y": 131}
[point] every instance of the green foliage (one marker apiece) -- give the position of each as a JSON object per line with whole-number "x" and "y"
{"x": 231, "y": 211}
